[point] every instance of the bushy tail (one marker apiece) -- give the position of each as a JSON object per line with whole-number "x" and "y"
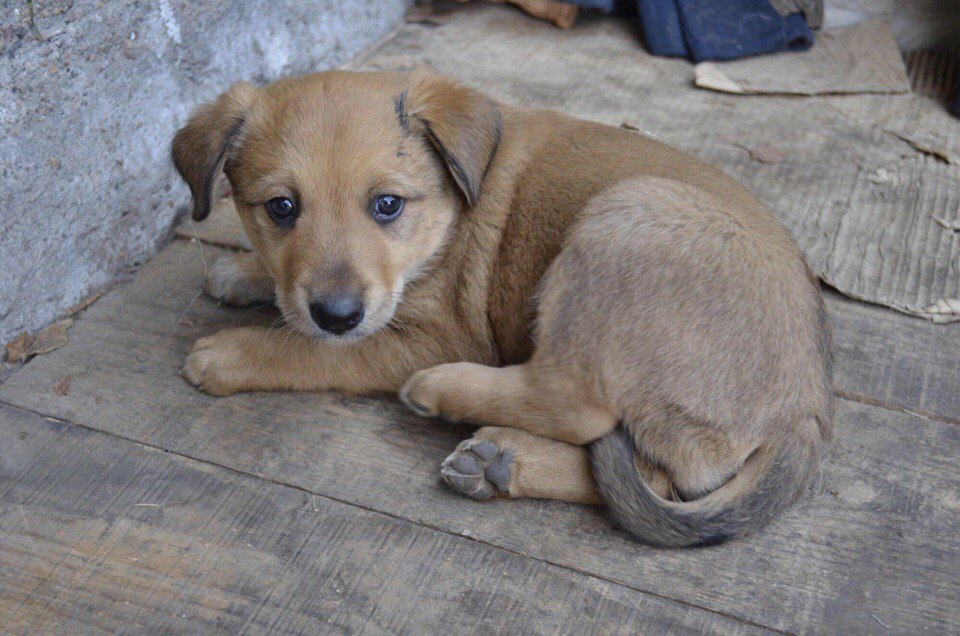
{"x": 771, "y": 479}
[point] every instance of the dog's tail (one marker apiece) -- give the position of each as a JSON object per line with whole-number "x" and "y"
{"x": 771, "y": 479}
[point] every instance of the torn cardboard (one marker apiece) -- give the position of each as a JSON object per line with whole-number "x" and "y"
{"x": 859, "y": 59}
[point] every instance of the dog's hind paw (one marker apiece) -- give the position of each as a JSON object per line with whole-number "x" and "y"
{"x": 478, "y": 469}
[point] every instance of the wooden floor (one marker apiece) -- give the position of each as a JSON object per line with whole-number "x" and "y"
{"x": 129, "y": 501}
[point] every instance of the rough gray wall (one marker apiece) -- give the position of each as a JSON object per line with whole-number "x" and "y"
{"x": 87, "y": 113}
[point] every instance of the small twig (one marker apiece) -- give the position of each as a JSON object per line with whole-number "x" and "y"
{"x": 951, "y": 226}
{"x": 33, "y": 22}
{"x": 882, "y": 624}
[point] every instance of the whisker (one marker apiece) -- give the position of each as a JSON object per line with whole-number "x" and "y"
{"x": 202, "y": 282}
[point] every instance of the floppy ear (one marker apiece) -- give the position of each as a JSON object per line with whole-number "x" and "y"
{"x": 462, "y": 124}
{"x": 201, "y": 147}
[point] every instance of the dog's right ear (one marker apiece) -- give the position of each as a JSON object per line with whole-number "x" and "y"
{"x": 201, "y": 147}
{"x": 462, "y": 124}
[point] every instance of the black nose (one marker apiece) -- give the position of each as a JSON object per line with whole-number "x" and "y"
{"x": 337, "y": 314}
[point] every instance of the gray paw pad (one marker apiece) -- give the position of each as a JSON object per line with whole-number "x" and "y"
{"x": 478, "y": 469}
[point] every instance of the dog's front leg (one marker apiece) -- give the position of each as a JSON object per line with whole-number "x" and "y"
{"x": 261, "y": 359}
{"x": 239, "y": 279}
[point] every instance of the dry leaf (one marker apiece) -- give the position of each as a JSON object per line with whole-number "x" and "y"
{"x": 17, "y": 346}
{"x": 62, "y": 387}
{"x": 25, "y": 346}
{"x": 768, "y": 154}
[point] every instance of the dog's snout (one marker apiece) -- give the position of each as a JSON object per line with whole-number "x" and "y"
{"x": 337, "y": 314}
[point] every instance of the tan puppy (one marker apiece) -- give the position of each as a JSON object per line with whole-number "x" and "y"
{"x": 565, "y": 282}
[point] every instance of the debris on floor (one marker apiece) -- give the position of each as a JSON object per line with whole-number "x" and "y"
{"x": 858, "y": 59}
{"x": 880, "y": 175}
{"x": 25, "y": 346}
{"x": 62, "y": 387}
{"x": 73, "y": 310}
{"x": 767, "y": 154}
{"x": 950, "y": 226}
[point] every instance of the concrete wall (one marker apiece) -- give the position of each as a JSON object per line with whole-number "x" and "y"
{"x": 87, "y": 113}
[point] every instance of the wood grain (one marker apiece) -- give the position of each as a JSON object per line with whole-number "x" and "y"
{"x": 878, "y": 540}
{"x": 894, "y": 360}
{"x": 104, "y": 534}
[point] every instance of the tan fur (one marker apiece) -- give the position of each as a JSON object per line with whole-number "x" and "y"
{"x": 239, "y": 279}
{"x": 665, "y": 298}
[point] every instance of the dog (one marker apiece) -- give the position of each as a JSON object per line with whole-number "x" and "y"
{"x": 629, "y": 325}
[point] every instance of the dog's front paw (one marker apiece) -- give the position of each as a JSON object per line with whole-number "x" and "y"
{"x": 238, "y": 279}
{"x": 217, "y": 364}
{"x": 478, "y": 468}
{"x": 441, "y": 391}
{"x": 422, "y": 393}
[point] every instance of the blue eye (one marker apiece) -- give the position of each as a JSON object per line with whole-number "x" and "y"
{"x": 283, "y": 211}
{"x": 386, "y": 208}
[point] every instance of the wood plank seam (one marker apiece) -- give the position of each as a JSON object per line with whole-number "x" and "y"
{"x": 891, "y": 406}
{"x": 416, "y": 522}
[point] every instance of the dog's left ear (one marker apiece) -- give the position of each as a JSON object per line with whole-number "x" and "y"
{"x": 201, "y": 147}
{"x": 462, "y": 124}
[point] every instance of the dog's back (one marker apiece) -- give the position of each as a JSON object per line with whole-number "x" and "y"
{"x": 689, "y": 309}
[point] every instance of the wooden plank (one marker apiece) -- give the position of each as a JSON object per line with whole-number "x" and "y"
{"x": 894, "y": 360}
{"x": 104, "y": 534}
{"x": 884, "y": 545}
{"x": 860, "y": 199}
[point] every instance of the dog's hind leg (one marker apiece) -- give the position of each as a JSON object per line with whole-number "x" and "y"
{"x": 532, "y": 397}
{"x": 499, "y": 461}
{"x": 239, "y": 279}
{"x": 507, "y": 462}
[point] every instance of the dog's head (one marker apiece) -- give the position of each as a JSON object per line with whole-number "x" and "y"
{"x": 347, "y": 184}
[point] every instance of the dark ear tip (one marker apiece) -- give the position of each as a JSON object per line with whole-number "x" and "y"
{"x": 200, "y": 211}
{"x": 472, "y": 194}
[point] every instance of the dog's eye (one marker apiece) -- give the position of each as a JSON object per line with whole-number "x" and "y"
{"x": 387, "y": 207}
{"x": 283, "y": 211}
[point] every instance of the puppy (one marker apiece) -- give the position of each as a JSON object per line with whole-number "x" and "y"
{"x": 631, "y": 325}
